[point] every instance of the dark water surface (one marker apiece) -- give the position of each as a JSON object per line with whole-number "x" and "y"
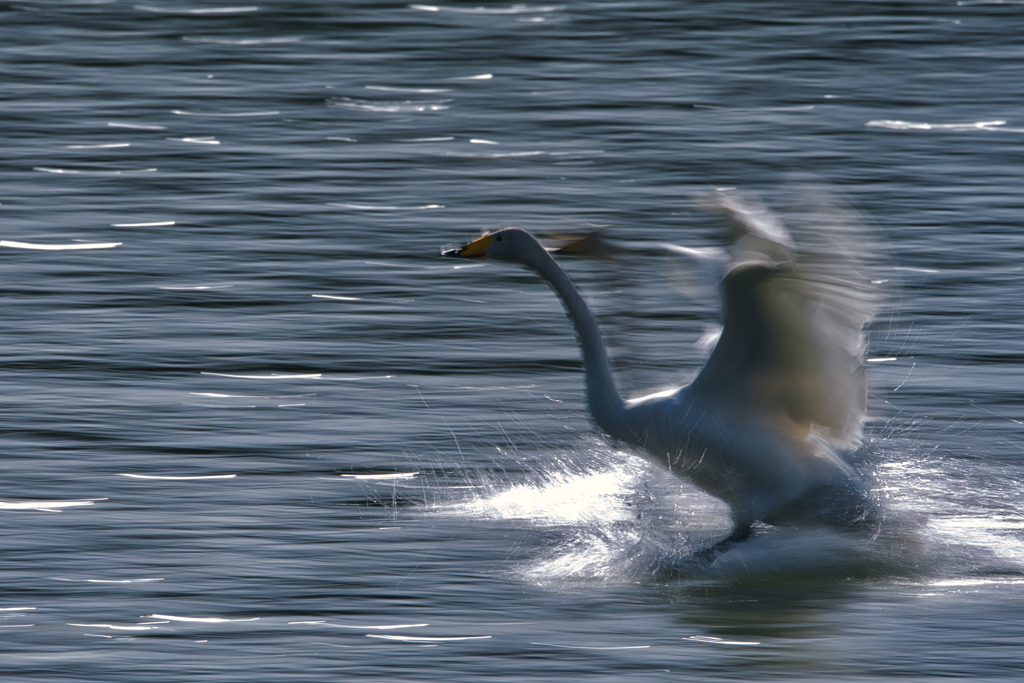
{"x": 261, "y": 432}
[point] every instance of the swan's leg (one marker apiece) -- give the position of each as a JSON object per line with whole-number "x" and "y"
{"x": 709, "y": 554}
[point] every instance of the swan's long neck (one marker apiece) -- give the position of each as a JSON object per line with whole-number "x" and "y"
{"x": 606, "y": 405}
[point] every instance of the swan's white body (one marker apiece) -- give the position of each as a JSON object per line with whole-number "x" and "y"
{"x": 782, "y": 391}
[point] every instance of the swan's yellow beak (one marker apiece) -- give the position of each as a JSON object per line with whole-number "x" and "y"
{"x": 475, "y": 249}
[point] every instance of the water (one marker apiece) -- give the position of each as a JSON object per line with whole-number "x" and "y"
{"x": 261, "y": 428}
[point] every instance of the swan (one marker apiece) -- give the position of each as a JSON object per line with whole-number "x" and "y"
{"x": 762, "y": 425}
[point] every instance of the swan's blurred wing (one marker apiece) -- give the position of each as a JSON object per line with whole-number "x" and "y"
{"x": 792, "y": 345}
{"x": 595, "y": 244}
{"x": 694, "y": 272}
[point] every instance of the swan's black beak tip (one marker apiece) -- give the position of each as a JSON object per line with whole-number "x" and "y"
{"x": 450, "y": 250}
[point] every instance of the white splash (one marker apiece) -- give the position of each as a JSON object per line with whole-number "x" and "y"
{"x": 562, "y": 498}
{"x": 997, "y": 533}
{"x": 960, "y": 583}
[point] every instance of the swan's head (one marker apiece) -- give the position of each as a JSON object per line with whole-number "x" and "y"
{"x": 514, "y": 245}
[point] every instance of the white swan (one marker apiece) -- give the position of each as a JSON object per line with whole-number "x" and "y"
{"x": 782, "y": 392}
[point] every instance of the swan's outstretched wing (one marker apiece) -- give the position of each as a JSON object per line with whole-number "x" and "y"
{"x": 694, "y": 272}
{"x": 793, "y": 310}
